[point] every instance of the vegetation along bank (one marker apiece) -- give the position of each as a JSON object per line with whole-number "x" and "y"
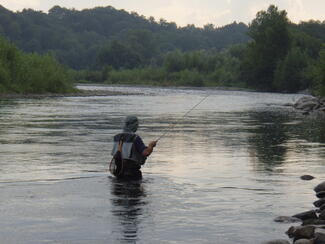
{"x": 105, "y": 45}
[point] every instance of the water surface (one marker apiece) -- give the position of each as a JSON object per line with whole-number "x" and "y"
{"x": 221, "y": 174}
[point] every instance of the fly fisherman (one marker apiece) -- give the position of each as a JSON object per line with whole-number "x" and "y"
{"x": 129, "y": 152}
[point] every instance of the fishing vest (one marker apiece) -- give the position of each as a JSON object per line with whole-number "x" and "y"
{"x": 129, "y": 150}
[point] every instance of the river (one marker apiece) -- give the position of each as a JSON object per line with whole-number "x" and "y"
{"x": 220, "y": 175}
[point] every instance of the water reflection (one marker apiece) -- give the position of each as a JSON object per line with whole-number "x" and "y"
{"x": 128, "y": 199}
{"x": 267, "y": 142}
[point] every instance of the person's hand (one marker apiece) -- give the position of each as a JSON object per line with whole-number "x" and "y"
{"x": 152, "y": 144}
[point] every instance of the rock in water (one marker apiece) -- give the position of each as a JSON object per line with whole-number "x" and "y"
{"x": 319, "y": 202}
{"x": 320, "y": 194}
{"x": 301, "y": 232}
{"x": 286, "y": 219}
{"x": 319, "y": 238}
{"x": 307, "y": 177}
{"x": 279, "y": 241}
{"x": 320, "y": 187}
{"x": 306, "y": 215}
{"x": 322, "y": 215}
{"x": 303, "y": 241}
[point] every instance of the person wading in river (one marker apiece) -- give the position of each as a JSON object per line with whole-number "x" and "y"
{"x": 129, "y": 152}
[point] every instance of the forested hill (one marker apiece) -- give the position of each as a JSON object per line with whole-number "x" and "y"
{"x": 77, "y": 37}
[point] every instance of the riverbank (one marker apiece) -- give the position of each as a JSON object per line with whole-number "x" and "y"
{"x": 78, "y": 93}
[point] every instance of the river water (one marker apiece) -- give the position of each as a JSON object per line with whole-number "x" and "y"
{"x": 220, "y": 175}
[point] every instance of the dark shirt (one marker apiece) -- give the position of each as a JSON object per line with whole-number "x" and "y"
{"x": 139, "y": 145}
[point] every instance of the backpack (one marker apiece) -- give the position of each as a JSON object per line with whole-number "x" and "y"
{"x": 116, "y": 164}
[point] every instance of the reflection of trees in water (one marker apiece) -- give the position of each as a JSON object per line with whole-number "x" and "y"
{"x": 128, "y": 201}
{"x": 313, "y": 129}
{"x": 268, "y": 137}
{"x": 273, "y": 134}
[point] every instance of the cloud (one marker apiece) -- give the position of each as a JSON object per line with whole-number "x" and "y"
{"x": 19, "y": 4}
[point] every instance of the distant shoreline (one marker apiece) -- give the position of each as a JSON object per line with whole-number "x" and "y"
{"x": 78, "y": 93}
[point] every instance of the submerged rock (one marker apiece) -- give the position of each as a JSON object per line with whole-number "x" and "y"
{"x": 278, "y": 241}
{"x": 287, "y": 219}
{"x": 307, "y": 177}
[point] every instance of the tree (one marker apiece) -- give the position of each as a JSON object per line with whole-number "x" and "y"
{"x": 289, "y": 73}
{"x": 271, "y": 42}
{"x": 118, "y": 56}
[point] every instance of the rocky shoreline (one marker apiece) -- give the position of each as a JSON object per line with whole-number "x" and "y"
{"x": 78, "y": 93}
{"x": 310, "y": 105}
{"x": 312, "y": 227}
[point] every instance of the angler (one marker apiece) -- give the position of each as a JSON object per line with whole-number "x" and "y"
{"x": 129, "y": 152}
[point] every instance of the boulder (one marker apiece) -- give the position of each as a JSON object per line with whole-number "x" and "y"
{"x": 306, "y": 215}
{"x": 319, "y": 238}
{"x": 319, "y": 202}
{"x": 322, "y": 207}
{"x": 313, "y": 222}
{"x": 320, "y": 187}
{"x": 278, "y": 241}
{"x": 321, "y": 216}
{"x": 301, "y": 232}
{"x": 320, "y": 194}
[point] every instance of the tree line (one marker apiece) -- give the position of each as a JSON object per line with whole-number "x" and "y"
{"x": 114, "y": 46}
{"x": 281, "y": 57}
{"x": 75, "y": 37}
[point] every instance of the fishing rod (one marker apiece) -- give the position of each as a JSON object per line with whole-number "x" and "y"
{"x": 172, "y": 125}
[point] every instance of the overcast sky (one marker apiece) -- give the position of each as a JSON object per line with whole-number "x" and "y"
{"x": 183, "y": 12}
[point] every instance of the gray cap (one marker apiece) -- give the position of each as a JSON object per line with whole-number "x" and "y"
{"x": 131, "y": 124}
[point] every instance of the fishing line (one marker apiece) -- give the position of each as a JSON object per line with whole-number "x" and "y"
{"x": 172, "y": 125}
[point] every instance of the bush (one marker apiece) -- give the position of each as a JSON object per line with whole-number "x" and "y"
{"x": 31, "y": 73}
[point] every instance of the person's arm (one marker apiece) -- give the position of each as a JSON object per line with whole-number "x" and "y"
{"x": 146, "y": 152}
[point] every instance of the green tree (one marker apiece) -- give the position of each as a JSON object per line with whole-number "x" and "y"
{"x": 289, "y": 74}
{"x": 118, "y": 56}
{"x": 270, "y": 43}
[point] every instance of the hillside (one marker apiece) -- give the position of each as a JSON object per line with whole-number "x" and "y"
{"x": 76, "y": 37}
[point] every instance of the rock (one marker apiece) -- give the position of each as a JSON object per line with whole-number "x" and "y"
{"x": 301, "y": 232}
{"x": 320, "y": 194}
{"x": 306, "y": 215}
{"x": 307, "y": 106}
{"x": 322, "y": 215}
{"x": 303, "y": 241}
{"x": 307, "y": 177}
{"x": 319, "y": 238}
{"x": 322, "y": 207}
{"x": 286, "y": 219}
{"x": 319, "y": 202}
{"x": 320, "y": 187}
{"x": 313, "y": 222}
{"x": 320, "y": 230}
{"x": 279, "y": 241}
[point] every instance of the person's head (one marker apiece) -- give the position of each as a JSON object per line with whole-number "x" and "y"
{"x": 131, "y": 124}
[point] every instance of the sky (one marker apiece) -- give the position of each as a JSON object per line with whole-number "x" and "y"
{"x": 183, "y": 12}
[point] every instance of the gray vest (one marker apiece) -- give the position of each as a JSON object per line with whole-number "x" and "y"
{"x": 129, "y": 150}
